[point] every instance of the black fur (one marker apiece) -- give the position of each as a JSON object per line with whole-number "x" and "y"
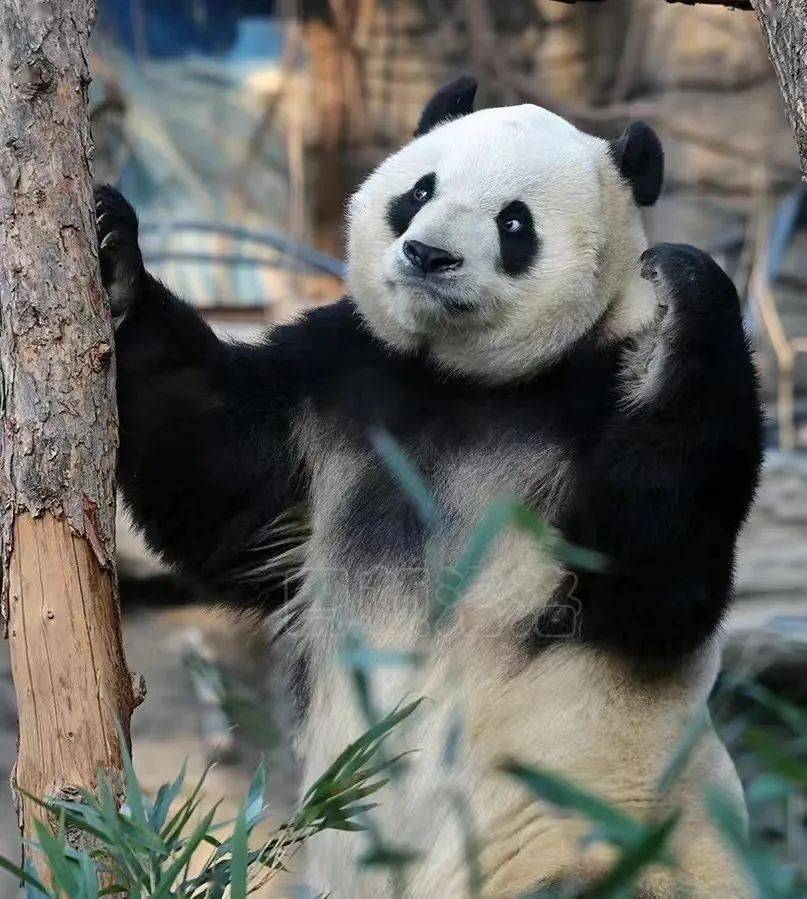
{"x": 663, "y": 490}
{"x": 517, "y": 250}
{"x": 639, "y": 158}
{"x": 452, "y": 101}
{"x": 660, "y": 487}
{"x": 404, "y": 208}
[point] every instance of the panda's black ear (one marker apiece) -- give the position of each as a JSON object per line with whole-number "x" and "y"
{"x": 639, "y": 158}
{"x": 453, "y": 100}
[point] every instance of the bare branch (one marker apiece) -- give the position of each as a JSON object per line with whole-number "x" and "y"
{"x": 731, "y": 4}
{"x": 784, "y": 25}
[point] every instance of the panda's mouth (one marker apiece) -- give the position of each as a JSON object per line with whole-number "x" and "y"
{"x": 457, "y": 306}
{"x": 438, "y": 296}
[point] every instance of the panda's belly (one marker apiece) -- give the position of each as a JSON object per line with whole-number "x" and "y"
{"x": 570, "y": 709}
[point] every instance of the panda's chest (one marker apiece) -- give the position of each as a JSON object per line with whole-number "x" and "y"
{"x": 369, "y": 515}
{"x": 467, "y": 444}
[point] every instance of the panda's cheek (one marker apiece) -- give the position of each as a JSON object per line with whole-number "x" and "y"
{"x": 390, "y": 263}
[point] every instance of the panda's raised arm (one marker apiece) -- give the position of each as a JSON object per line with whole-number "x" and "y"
{"x": 206, "y": 461}
{"x": 665, "y": 491}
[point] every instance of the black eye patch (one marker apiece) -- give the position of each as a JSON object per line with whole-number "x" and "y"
{"x": 402, "y": 209}
{"x": 518, "y": 242}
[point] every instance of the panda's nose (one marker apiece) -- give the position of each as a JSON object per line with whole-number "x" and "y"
{"x": 430, "y": 260}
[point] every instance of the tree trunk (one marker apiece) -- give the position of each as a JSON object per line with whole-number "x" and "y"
{"x": 59, "y": 434}
{"x": 784, "y": 24}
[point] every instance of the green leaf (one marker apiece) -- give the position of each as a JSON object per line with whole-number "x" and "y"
{"x": 24, "y": 876}
{"x": 115, "y": 889}
{"x": 767, "y": 788}
{"x": 134, "y": 797}
{"x": 89, "y": 877}
{"x": 165, "y": 798}
{"x": 649, "y": 849}
{"x": 361, "y": 749}
{"x": 616, "y": 826}
{"x": 470, "y": 844}
{"x": 772, "y": 879}
{"x": 79, "y": 814}
{"x": 788, "y": 712}
{"x": 786, "y": 761}
{"x": 455, "y": 582}
{"x": 368, "y": 659}
{"x": 341, "y": 824}
{"x": 410, "y": 479}
{"x": 183, "y": 814}
{"x": 388, "y": 857}
{"x": 163, "y": 887}
{"x": 63, "y": 871}
{"x": 119, "y": 832}
{"x": 678, "y": 761}
{"x": 255, "y": 804}
{"x": 502, "y": 513}
{"x": 238, "y": 862}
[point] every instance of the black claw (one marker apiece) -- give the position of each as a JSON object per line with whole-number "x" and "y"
{"x": 690, "y": 276}
{"x": 119, "y": 252}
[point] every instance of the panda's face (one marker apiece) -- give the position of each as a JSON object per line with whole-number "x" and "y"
{"x": 493, "y": 241}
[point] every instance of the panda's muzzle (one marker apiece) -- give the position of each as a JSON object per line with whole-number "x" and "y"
{"x": 430, "y": 260}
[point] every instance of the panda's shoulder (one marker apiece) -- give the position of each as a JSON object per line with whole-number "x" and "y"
{"x": 327, "y": 341}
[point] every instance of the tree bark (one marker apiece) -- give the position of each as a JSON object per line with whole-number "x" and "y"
{"x": 784, "y": 24}
{"x": 731, "y": 4}
{"x": 59, "y": 433}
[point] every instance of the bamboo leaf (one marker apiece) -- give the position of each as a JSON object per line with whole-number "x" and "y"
{"x": 165, "y": 798}
{"x": 686, "y": 746}
{"x": 616, "y": 826}
{"x": 254, "y": 808}
{"x": 772, "y": 879}
{"x": 649, "y": 849}
{"x": 24, "y": 876}
{"x": 63, "y": 871}
{"x": 410, "y": 479}
{"x": 134, "y": 797}
{"x": 238, "y": 862}
{"x": 166, "y": 880}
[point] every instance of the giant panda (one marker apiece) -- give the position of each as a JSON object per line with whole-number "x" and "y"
{"x": 507, "y": 325}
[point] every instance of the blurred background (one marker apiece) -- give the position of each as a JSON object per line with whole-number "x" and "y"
{"x": 238, "y": 128}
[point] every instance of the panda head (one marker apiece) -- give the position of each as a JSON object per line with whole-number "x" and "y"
{"x": 496, "y": 239}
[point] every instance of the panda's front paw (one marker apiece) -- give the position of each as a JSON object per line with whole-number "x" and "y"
{"x": 686, "y": 281}
{"x": 122, "y": 271}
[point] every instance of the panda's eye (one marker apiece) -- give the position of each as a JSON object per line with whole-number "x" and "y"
{"x": 515, "y": 220}
{"x": 518, "y": 242}
{"x": 403, "y": 208}
{"x": 422, "y": 191}
{"x": 512, "y": 226}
